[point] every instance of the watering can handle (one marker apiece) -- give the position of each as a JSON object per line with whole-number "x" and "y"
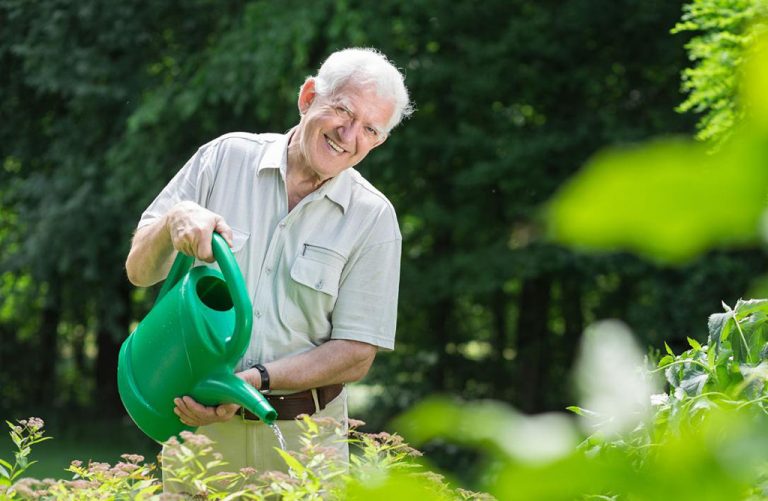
{"x": 241, "y": 336}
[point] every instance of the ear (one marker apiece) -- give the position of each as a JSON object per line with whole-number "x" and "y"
{"x": 307, "y": 95}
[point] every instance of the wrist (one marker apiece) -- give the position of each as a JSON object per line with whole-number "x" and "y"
{"x": 264, "y": 382}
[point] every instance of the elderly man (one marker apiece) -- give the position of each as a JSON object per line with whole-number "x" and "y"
{"x": 318, "y": 245}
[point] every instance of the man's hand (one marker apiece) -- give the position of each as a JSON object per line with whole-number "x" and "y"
{"x": 192, "y": 413}
{"x": 191, "y": 228}
{"x": 251, "y": 376}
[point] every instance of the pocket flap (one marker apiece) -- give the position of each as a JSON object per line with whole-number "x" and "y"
{"x": 316, "y": 275}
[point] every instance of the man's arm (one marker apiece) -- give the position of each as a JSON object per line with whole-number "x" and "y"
{"x": 186, "y": 227}
{"x": 337, "y": 361}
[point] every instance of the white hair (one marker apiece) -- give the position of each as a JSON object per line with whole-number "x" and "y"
{"x": 365, "y": 66}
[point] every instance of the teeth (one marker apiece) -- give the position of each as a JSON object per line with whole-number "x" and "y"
{"x": 333, "y": 145}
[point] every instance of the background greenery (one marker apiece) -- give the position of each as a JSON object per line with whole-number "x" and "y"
{"x": 102, "y": 102}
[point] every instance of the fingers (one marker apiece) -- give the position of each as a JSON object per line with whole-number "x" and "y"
{"x": 204, "y": 248}
{"x": 191, "y": 228}
{"x": 226, "y": 411}
{"x": 223, "y": 229}
{"x": 192, "y": 413}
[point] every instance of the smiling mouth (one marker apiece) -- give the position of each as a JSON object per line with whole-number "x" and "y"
{"x": 334, "y": 146}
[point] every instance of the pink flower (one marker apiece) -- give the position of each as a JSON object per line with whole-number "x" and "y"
{"x": 355, "y": 423}
{"x": 133, "y": 458}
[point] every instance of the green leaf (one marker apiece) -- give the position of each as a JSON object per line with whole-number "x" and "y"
{"x": 4, "y": 473}
{"x": 658, "y": 200}
{"x": 576, "y": 410}
{"x": 694, "y": 344}
{"x": 693, "y": 382}
{"x": 669, "y": 350}
{"x": 291, "y": 461}
{"x": 666, "y": 360}
{"x": 725, "y": 322}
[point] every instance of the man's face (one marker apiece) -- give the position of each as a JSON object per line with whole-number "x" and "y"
{"x": 338, "y": 131}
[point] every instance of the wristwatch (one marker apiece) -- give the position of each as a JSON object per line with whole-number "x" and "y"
{"x": 264, "y": 387}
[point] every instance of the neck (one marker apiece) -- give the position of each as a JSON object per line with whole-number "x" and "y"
{"x": 300, "y": 179}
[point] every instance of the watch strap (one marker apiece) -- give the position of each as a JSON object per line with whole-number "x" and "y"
{"x": 264, "y": 376}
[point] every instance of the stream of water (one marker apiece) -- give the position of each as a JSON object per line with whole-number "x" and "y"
{"x": 279, "y": 435}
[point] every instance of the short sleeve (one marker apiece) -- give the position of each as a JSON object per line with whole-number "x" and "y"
{"x": 366, "y": 308}
{"x": 191, "y": 183}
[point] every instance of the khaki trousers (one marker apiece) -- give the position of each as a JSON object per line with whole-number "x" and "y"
{"x": 244, "y": 443}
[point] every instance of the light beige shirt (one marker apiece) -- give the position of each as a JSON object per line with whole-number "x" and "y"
{"x": 329, "y": 269}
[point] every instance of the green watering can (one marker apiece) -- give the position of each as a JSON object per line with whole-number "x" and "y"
{"x": 189, "y": 344}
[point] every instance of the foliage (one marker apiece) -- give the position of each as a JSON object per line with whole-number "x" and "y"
{"x": 724, "y": 30}
{"x": 705, "y": 438}
{"x": 730, "y": 371}
{"x": 25, "y": 434}
{"x": 677, "y": 200}
{"x": 382, "y": 463}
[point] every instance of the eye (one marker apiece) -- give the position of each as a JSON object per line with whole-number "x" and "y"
{"x": 371, "y": 132}
{"x": 343, "y": 111}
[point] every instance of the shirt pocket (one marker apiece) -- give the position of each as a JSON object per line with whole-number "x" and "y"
{"x": 312, "y": 290}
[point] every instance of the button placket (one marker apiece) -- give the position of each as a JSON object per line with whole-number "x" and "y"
{"x": 262, "y": 295}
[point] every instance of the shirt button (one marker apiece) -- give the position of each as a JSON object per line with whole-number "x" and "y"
{"x": 257, "y": 314}
{"x": 282, "y": 225}
{"x": 319, "y": 285}
{"x": 268, "y": 270}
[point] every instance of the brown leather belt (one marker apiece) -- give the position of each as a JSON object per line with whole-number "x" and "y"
{"x": 290, "y": 406}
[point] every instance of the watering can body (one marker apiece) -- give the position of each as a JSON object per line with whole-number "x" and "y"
{"x": 189, "y": 344}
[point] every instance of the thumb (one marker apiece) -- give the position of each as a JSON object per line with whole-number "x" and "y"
{"x": 225, "y": 410}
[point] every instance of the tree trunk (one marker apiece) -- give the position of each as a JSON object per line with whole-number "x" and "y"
{"x": 440, "y": 325}
{"x": 112, "y": 329}
{"x": 499, "y": 304}
{"x": 47, "y": 352}
{"x": 532, "y": 342}
{"x": 573, "y": 316}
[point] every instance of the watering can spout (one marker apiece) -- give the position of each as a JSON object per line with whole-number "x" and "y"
{"x": 230, "y": 388}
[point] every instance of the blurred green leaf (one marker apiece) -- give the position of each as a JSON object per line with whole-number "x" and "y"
{"x": 493, "y": 426}
{"x": 396, "y": 485}
{"x": 665, "y": 360}
{"x": 668, "y": 199}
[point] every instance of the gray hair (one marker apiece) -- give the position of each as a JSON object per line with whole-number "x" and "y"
{"x": 365, "y": 66}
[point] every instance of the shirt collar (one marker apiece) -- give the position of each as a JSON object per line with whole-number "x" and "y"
{"x": 339, "y": 189}
{"x": 276, "y": 153}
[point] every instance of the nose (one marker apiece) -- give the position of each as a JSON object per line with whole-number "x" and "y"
{"x": 349, "y": 131}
